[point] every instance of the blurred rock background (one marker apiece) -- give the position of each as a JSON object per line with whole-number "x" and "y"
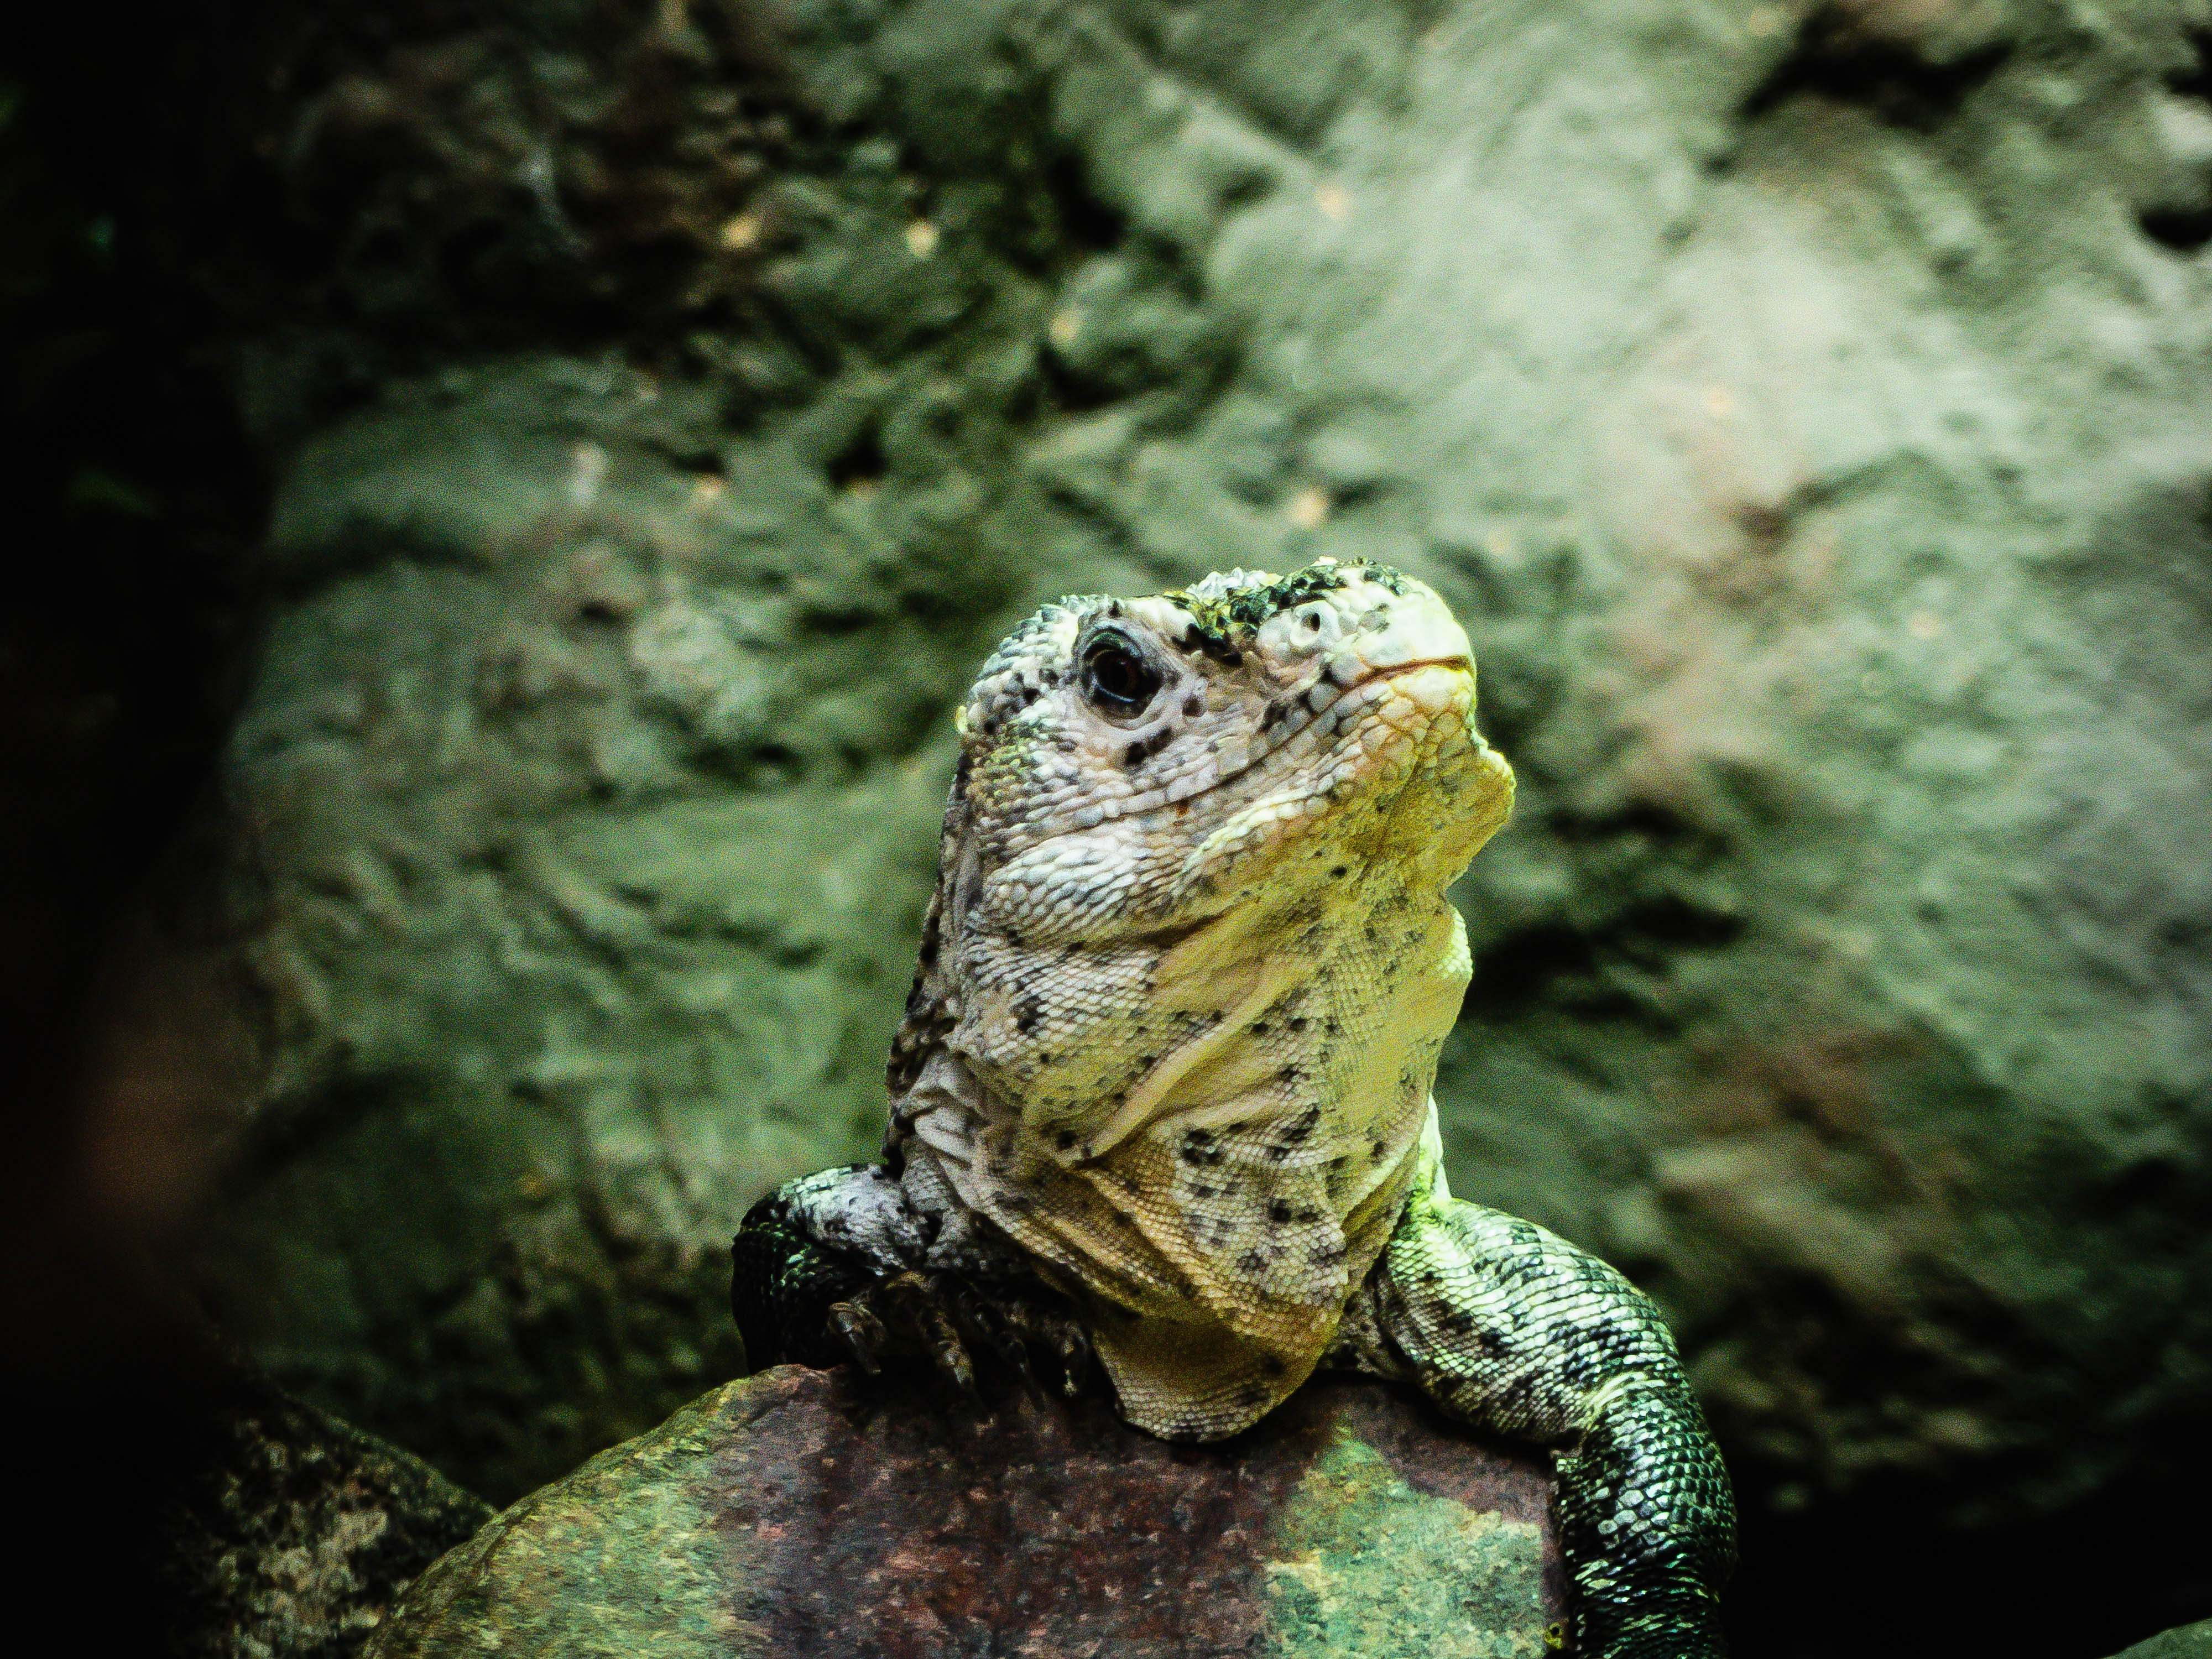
{"x": 519, "y": 485}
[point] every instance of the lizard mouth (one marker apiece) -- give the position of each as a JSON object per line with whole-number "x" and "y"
{"x": 1461, "y": 661}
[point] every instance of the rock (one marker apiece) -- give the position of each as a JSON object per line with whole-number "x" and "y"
{"x": 296, "y": 1533}
{"x": 2186, "y": 1642}
{"x": 794, "y": 1514}
{"x": 1803, "y": 405}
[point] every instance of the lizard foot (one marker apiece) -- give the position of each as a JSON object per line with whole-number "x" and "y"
{"x": 944, "y": 1318}
{"x": 908, "y": 1313}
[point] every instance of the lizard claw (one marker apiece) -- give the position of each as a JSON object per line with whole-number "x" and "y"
{"x": 1059, "y": 1334}
{"x": 989, "y": 1328}
{"x": 951, "y": 1322}
{"x": 1074, "y": 1358}
{"x": 862, "y": 1333}
{"x": 953, "y": 1360}
{"x": 924, "y": 1309}
{"x": 904, "y": 1313}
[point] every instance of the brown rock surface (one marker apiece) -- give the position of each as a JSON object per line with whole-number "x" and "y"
{"x": 799, "y": 1512}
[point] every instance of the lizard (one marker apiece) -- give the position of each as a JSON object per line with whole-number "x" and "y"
{"x": 1162, "y": 1092}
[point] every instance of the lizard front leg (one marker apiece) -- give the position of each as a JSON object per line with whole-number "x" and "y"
{"x": 795, "y": 1259}
{"x": 843, "y": 1265}
{"x": 1516, "y": 1330}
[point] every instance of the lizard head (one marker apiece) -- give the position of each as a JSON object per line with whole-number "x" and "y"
{"x": 1135, "y": 765}
{"x": 1280, "y": 753}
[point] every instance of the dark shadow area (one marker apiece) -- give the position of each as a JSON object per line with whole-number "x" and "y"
{"x": 2014, "y": 1588}
{"x": 1837, "y": 58}
{"x": 2187, "y": 229}
{"x": 131, "y": 490}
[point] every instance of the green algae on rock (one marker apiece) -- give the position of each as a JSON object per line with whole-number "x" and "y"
{"x": 797, "y": 1513}
{"x": 1460, "y": 1578}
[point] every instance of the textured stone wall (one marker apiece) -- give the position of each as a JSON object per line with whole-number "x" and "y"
{"x": 1805, "y": 408}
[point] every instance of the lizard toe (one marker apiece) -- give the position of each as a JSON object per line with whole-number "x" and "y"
{"x": 862, "y": 1333}
{"x": 1074, "y": 1359}
{"x": 923, "y": 1307}
{"x": 990, "y": 1329}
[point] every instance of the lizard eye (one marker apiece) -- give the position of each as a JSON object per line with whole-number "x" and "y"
{"x": 1116, "y": 678}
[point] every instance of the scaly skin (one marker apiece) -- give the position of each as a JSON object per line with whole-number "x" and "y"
{"x": 1162, "y": 1092}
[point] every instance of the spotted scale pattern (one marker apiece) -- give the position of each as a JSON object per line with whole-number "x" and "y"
{"x": 1167, "y": 1054}
{"x": 1511, "y": 1328}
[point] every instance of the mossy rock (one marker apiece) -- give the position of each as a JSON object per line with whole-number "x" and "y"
{"x": 801, "y": 1512}
{"x": 296, "y": 1533}
{"x": 2183, "y": 1642}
